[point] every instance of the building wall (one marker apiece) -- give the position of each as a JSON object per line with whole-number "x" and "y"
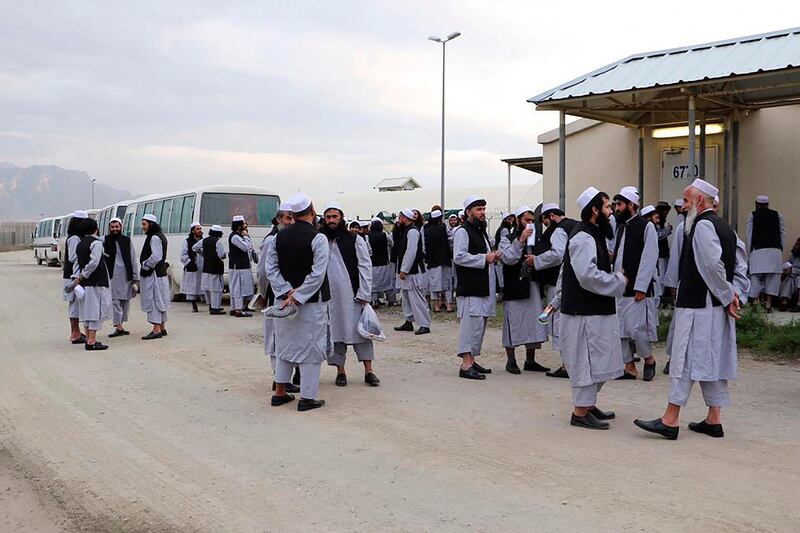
{"x": 16, "y": 235}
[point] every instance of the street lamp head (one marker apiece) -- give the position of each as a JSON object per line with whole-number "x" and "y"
{"x": 435, "y": 38}
{"x": 453, "y": 35}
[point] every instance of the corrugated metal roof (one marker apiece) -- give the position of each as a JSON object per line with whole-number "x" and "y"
{"x": 766, "y": 52}
{"x": 397, "y": 182}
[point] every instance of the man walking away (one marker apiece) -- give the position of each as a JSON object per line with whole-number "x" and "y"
{"x": 409, "y": 268}
{"x": 766, "y": 235}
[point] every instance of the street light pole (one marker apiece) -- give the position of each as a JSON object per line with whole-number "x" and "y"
{"x": 443, "y": 41}
{"x": 93, "y": 180}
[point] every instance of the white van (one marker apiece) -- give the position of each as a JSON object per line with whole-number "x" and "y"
{"x": 45, "y": 244}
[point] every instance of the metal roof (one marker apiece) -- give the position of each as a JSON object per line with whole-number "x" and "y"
{"x": 746, "y": 72}
{"x": 532, "y": 164}
{"x": 398, "y": 182}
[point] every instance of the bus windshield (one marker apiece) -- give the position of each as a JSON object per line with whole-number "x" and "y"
{"x": 220, "y": 208}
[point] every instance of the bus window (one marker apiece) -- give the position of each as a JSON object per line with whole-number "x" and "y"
{"x": 156, "y": 209}
{"x": 177, "y": 210}
{"x": 163, "y": 219}
{"x": 121, "y": 210}
{"x": 137, "y": 226}
{"x": 128, "y": 227}
{"x": 219, "y": 208}
{"x": 56, "y": 228}
{"x": 188, "y": 211}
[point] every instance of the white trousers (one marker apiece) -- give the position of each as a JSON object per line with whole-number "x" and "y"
{"x": 586, "y": 396}
{"x": 309, "y": 376}
{"x": 365, "y": 351}
{"x": 121, "y": 311}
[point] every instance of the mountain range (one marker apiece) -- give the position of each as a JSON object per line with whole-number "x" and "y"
{"x": 31, "y": 193}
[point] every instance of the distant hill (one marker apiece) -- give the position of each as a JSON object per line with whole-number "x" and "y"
{"x": 27, "y": 193}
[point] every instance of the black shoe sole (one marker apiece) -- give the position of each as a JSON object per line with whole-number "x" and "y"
{"x": 308, "y": 407}
{"x": 277, "y": 401}
{"x": 588, "y": 426}
{"x": 668, "y": 436}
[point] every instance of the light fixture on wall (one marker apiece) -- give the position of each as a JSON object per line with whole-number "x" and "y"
{"x": 683, "y": 131}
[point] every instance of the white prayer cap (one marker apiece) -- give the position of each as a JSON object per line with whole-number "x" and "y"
{"x": 705, "y": 187}
{"x": 80, "y": 214}
{"x": 786, "y": 265}
{"x": 194, "y": 224}
{"x": 452, "y": 215}
{"x": 631, "y": 188}
{"x": 216, "y": 227}
{"x": 461, "y": 214}
{"x": 363, "y": 223}
{"x": 376, "y": 219}
{"x": 678, "y": 202}
{"x": 299, "y": 202}
{"x": 646, "y": 210}
{"x": 115, "y": 219}
{"x": 716, "y": 200}
{"x": 549, "y": 207}
{"x": 473, "y": 199}
{"x": 333, "y": 205}
{"x": 285, "y": 207}
{"x": 150, "y": 218}
{"x": 762, "y": 199}
{"x": 238, "y": 218}
{"x": 586, "y": 197}
{"x": 408, "y": 213}
{"x": 436, "y": 213}
{"x": 630, "y": 194}
{"x": 522, "y": 209}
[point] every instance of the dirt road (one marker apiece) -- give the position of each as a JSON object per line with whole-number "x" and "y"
{"x": 177, "y": 435}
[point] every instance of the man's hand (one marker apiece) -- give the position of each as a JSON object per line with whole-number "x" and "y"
{"x": 491, "y": 257}
{"x": 530, "y": 259}
{"x": 289, "y": 299}
{"x": 733, "y": 307}
{"x": 362, "y": 302}
{"x": 639, "y": 296}
{"x": 523, "y": 237}
{"x": 402, "y": 276}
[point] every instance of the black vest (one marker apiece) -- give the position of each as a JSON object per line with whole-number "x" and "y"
{"x": 346, "y": 242}
{"x": 549, "y": 276}
{"x": 68, "y": 268}
{"x": 296, "y": 257}
{"x": 161, "y": 267}
{"x": 766, "y": 229}
{"x": 396, "y": 233}
{"x": 400, "y": 246}
{"x": 191, "y": 266}
{"x": 692, "y": 290}
{"x": 663, "y": 243}
{"x": 212, "y": 264}
{"x": 575, "y": 300}
{"x": 634, "y": 231}
{"x": 237, "y": 258}
{"x": 99, "y": 277}
{"x": 474, "y": 281}
{"x": 515, "y": 288}
{"x": 437, "y": 247}
{"x": 110, "y": 247}
{"x": 379, "y": 243}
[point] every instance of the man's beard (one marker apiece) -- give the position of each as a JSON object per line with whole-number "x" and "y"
{"x": 622, "y": 217}
{"x": 333, "y": 232}
{"x": 115, "y": 234}
{"x": 481, "y": 224}
{"x": 605, "y": 226}
{"x": 691, "y": 214}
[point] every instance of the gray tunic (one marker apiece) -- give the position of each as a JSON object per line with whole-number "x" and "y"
{"x": 707, "y": 336}
{"x": 154, "y": 290}
{"x": 412, "y": 281}
{"x": 483, "y": 306}
{"x": 211, "y": 282}
{"x": 240, "y": 280}
{"x": 72, "y": 256}
{"x": 521, "y": 317}
{"x": 191, "y": 282}
{"x": 261, "y": 270}
{"x": 634, "y": 318}
{"x": 96, "y": 305}
{"x": 590, "y": 346}
{"x": 552, "y": 258}
{"x": 789, "y": 285}
{"x": 383, "y": 276}
{"x": 346, "y": 311}
{"x": 765, "y": 260}
{"x": 306, "y": 337}
{"x": 121, "y": 288}
{"x": 670, "y": 278}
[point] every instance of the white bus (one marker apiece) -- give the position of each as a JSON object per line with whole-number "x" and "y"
{"x": 45, "y": 244}
{"x": 216, "y": 204}
{"x": 61, "y": 232}
{"x": 105, "y": 215}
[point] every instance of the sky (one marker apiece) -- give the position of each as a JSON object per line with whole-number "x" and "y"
{"x": 324, "y": 96}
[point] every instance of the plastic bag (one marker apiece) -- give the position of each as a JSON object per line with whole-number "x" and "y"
{"x": 369, "y": 326}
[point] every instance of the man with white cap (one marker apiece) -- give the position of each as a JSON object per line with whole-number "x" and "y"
{"x": 438, "y": 259}
{"x": 92, "y": 273}
{"x": 383, "y": 275}
{"x": 476, "y": 296}
{"x": 585, "y": 294}
{"x": 363, "y": 232}
{"x": 192, "y": 280}
{"x": 635, "y": 255}
{"x": 212, "y": 280}
{"x": 297, "y": 270}
{"x": 548, "y": 255}
{"x": 663, "y": 230}
{"x": 766, "y": 237}
{"x": 522, "y": 299}
{"x": 712, "y": 286}
{"x": 155, "y": 293}
{"x": 350, "y": 280}
{"x": 454, "y": 222}
{"x": 123, "y": 271}
{"x": 240, "y": 273}
{"x": 409, "y": 268}
{"x": 789, "y": 284}
{"x": 507, "y": 224}
{"x": 74, "y": 236}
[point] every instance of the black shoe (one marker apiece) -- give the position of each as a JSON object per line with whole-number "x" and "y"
{"x": 602, "y": 415}
{"x": 625, "y": 376}
{"x": 232, "y": 312}
{"x": 194, "y": 307}
{"x": 152, "y": 335}
{"x": 217, "y": 312}
{"x": 407, "y": 326}
{"x": 637, "y": 359}
{"x": 96, "y": 346}
{"x": 560, "y": 373}
{"x": 290, "y": 387}
{"x": 480, "y": 369}
{"x": 712, "y": 430}
{"x": 306, "y": 405}
{"x": 589, "y": 422}
{"x": 470, "y": 374}
{"x": 118, "y": 333}
{"x": 533, "y": 366}
{"x": 281, "y": 400}
{"x": 371, "y": 379}
{"x": 422, "y": 331}
{"x": 296, "y": 377}
{"x": 649, "y": 372}
{"x": 666, "y": 368}
{"x": 513, "y": 368}
{"x": 80, "y": 340}
{"x": 163, "y": 332}
{"x": 341, "y": 380}
{"x": 657, "y": 426}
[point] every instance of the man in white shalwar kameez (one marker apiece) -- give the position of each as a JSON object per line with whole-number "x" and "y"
{"x": 74, "y": 237}
{"x": 297, "y": 267}
{"x": 240, "y": 273}
{"x": 383, "y": 273}
{"x": 154, "y": 283}
{"x": 766, "y": 238}
{"x": 123, "y": 268}
{"x": 92, "y": 273}
{"x": 585, "y": 294}
{"x": 192, "y": 279}
{"x": 212, "y": 281}
{"x": 712, "y": 287}
{"x": 476, "y": 297}
{"x": 410, "y": 267}
{"x": 350, "y": 279}
{"x": 438, "y": 260}
{"x": 635, "y": 255}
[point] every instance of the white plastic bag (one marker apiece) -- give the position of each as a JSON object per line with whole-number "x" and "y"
{"x": 369, "y": 326}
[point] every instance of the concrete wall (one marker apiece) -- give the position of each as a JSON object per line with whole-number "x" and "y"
{"x": 16, "y": 235}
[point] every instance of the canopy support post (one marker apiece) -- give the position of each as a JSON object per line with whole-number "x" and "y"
{"x": 562, "y": 161}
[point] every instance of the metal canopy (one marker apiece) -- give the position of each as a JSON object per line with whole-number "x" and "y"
{"x": 653, "y": 88}
{"x": 532, "y": 164}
